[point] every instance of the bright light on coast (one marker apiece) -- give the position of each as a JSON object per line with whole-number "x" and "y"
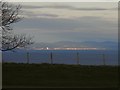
{"x": 47, "y": 48}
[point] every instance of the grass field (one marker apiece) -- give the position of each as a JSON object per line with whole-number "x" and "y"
{"x": 46, "y": 75}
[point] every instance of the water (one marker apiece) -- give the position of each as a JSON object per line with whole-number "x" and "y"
{"x": 86, "y": 57}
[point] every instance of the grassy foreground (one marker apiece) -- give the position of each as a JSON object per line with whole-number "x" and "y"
{"x": 46, "y": 75}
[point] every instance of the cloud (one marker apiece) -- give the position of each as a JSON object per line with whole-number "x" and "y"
{"x": 65, "y": 22}
{"x": 68, "y": 7}
{"x": 77, "y": 8}
{"x": 67, "y": 11}
{"x": 30, "y": 14}
{"x": 31, "y": 7}
{"x": 48, "y": 15}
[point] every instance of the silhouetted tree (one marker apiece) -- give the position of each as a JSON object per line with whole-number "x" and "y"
{"x": 9, "y": 14}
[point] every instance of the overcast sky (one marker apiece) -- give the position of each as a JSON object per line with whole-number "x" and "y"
{"x": 51, "y": 22}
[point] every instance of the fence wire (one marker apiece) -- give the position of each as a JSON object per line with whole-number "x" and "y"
{"x": 61, "y": 58}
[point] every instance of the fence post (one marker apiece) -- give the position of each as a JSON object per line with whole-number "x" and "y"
{"x": 51, "y": 58}
{"x": 78, "y": 58}
{"x": 104, "y": 63}
{"x": 28, "y": 58}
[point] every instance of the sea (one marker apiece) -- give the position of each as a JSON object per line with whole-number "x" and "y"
{"x": 82, "y": 57}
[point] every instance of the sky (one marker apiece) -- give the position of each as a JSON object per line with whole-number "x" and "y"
{"x": 69, "y": 21}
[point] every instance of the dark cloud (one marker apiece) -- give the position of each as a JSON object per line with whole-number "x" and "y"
{"x": 29, "y": 14}
{"x": 48, "y": 15}
{"x": 31, "y": 7}
{"x": 76, "y": 8}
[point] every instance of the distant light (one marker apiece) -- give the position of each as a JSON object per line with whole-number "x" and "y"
{"x": 47, "y": 48}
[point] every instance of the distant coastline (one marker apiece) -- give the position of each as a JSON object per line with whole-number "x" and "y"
{"x": 68, "y": 48}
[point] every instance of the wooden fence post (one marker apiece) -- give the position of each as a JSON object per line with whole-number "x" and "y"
{"x": 78, "y": 58}
{"x": 104, "y": 62}
{"x": 51, "y": 58}
{"x": 28, "y": 57}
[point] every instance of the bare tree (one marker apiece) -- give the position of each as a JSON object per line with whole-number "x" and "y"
{"x": 9, "y": 14}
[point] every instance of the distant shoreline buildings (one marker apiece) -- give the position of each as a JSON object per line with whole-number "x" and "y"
{"x": 68, "y": 48}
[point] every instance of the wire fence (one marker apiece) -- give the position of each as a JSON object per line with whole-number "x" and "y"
{"x": 62, "y": 58}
